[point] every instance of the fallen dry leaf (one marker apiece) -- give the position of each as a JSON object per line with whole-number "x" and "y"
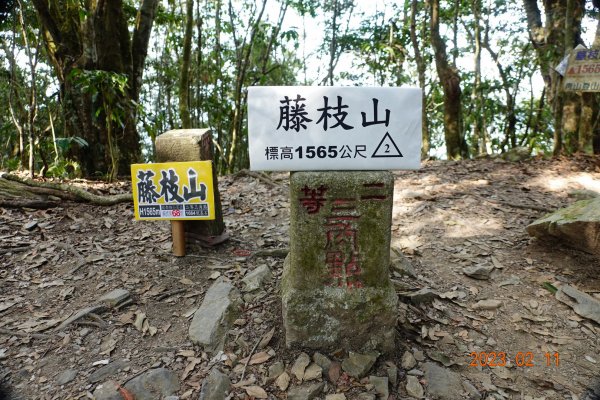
{"x": 186, "y": 281}
{"x": 190, "y": 367}
{"x": 266, "y": 339}
{"x": 257, "y": 358}
{"x": 256, "y": 391}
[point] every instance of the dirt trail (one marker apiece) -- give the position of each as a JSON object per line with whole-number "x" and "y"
{"x": 448, "y": 216}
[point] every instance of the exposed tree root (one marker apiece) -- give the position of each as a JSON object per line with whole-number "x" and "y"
{"x": 16, "y": 191}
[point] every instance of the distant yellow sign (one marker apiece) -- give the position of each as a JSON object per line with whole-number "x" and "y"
{"x": 175, "y": 190}
{"x": 583, "y": 71}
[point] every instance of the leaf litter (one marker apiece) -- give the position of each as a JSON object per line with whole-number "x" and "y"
{"x": 75, "y": 253}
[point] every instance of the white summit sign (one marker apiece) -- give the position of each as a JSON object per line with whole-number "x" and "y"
{"x": 301, "y": 128}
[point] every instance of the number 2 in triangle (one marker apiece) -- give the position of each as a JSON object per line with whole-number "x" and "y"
{"x": 387, "y": 148}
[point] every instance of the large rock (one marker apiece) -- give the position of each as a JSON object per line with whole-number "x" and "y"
{"x": 336, "y": 290}
{"x": 212, "y": 320}
{"x": 577, "y": 225}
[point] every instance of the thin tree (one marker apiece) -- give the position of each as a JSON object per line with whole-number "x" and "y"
{"x": 456, "y": 147}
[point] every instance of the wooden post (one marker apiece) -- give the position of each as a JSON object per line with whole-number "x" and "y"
{"x": 195, "y": 145}
{"x": 178, "y": 233}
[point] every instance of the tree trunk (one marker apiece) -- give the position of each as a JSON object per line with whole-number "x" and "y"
{"x": 94, "y": 36}
{"x": 421, "y": 67}
{"x": 561, "y": 33}
{"x": 244, "y": 51}
{"x": 184, "y": 111}
{"x": 448, "y": 75}
{"x": 479, "y": 136}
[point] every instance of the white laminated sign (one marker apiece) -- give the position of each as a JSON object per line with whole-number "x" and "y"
{"x": 300, "y": 128}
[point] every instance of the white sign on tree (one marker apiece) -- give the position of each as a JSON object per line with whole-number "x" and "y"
{"x": 300, "y": 128}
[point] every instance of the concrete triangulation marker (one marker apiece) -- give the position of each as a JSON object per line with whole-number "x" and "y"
{"x": 336, "y": 290}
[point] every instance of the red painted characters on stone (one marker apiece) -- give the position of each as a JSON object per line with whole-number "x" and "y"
{"x": 342, "y": 252}
{"x": 342, "y": 255}
{"x": 313, "y": 199}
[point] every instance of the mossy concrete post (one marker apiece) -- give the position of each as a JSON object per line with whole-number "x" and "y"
{"x": 336, "y": 290}
{"x": 194, "y": 145}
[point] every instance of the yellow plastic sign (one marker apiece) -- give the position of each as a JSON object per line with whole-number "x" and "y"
{"x": 174, "y": 190}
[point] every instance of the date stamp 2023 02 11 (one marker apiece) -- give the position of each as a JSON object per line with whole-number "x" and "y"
{"x": 521, "y": 359}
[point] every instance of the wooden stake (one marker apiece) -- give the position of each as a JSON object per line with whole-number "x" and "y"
{"x": 178, "y": 233}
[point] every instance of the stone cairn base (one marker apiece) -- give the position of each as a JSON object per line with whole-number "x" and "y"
{"x": 336, "y": 290}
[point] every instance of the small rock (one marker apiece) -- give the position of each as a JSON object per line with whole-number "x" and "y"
{"x": 408, "y": 360}
{"x": 442, "y": 383}
{"x": 313, "y": 372}
{"x": 381, "y": 386}
{"x": 419, "y": 356}
{"x": 474, "y": 394}
{"x": 216, "y": 386}
{"x": 582, "y": 303}
{"x": 425, "y": 295}
{"x": 337, "y": 396}
{"x": 392, "y": 373}
{"x": 255, "y": 279}
{"x": 275, "y": 370}
{"x": 283, "y": 381}
{"x": 365, "y": 396}
{"x": 153, "y": 384}
{"x": 358, "y": 365}
{"x": 415, "y": 372}
{"x": 401, "y": 264}
{"x": 108, "y": 391}
{"x": 31, "y": 225}
{"x": 107, "y": 371}
{"x": 306, "y": 392}
{"x": 489, "y": 304}
{"x": 513, "y": 280}
{"x": 413, "y": 387}
{"x": 300, "y": 365}
{"x": 65, "y": 377}
{"x": 481, "y": 272}
{"x": 322, "y": 361}
{"x": 335, "y": 370}
{"x": 533, "y": 303}
{"x": 114, "y": 298}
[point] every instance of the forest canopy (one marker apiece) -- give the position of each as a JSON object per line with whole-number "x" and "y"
{"x": 88, "y": 86}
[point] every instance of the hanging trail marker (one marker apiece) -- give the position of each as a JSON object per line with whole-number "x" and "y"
{"x": 583, "y": 70}
{"x": 302, "y": 128}
{"x": 175, "y": 191}
{"x": 387, "y": 148}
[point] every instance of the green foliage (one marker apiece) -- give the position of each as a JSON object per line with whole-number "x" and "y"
{"x": 108, "y": 91}
{"x": 64, "y": 168}
{"x": 372, "y": 48}
{"x": 65, "y": 143}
